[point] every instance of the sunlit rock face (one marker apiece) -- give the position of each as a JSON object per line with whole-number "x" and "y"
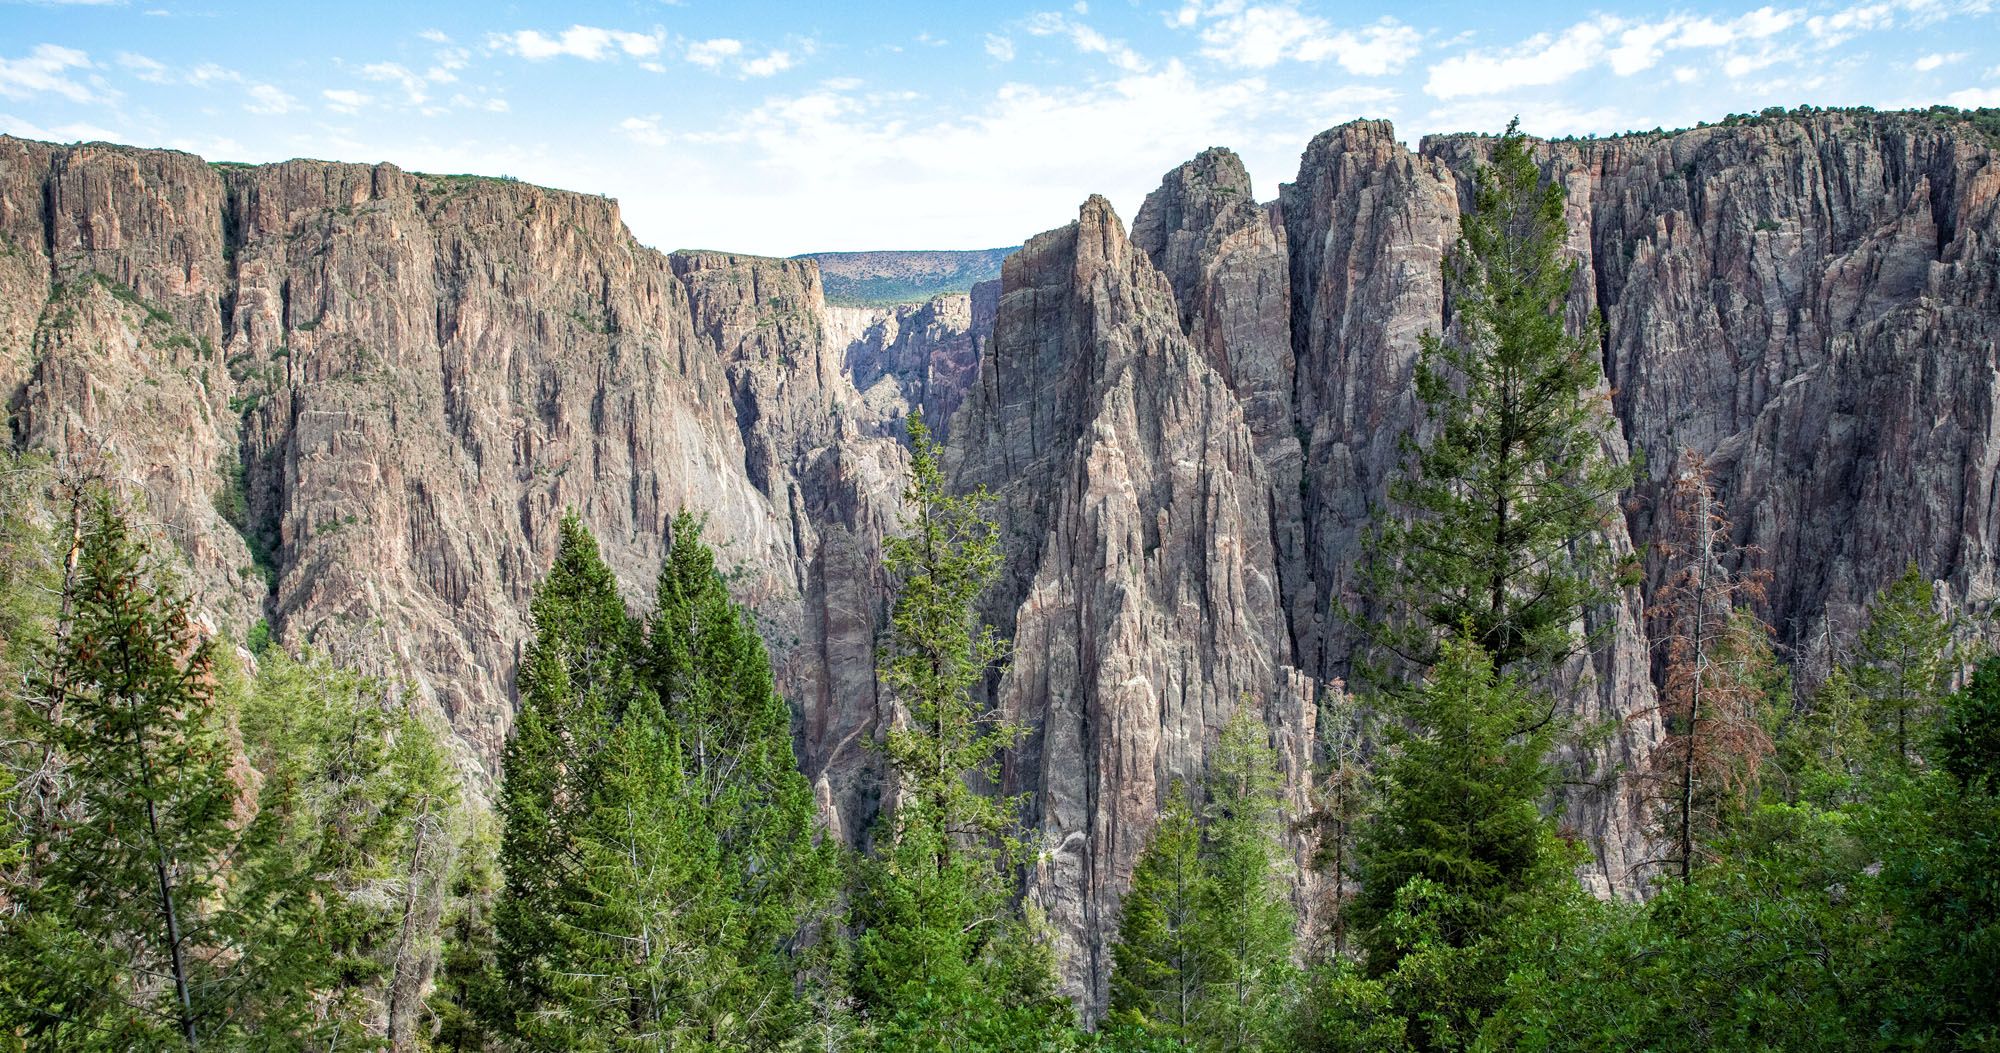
{"x": 356, "y": 400}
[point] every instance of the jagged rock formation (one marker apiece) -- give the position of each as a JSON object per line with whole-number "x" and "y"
{"x": 1186, "y": 427}
{"x": 914, "y": 357}
{"x": 1139, "y": 566}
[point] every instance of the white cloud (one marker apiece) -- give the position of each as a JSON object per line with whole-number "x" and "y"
{"x": 490, "y": 105}
{"x": 59, "y": 133}
{"x": 414, "y": 87}
{"x": 1001, "y": 48}
{"x": 644, "y": 130}
{"x": 45, "y": 70}
{"x": 1539, "y": 60}
{"x": 201, "y": 75}
{"x": 711, "y": 54}
{"x": 1841, "y": 26}
{"x": 590, "y": 43}
{"x": 1085, "y": 39}
{"x": 775, "y": 62}
{"x": 435, "y": 36}
{"x": 1641, "y": 46}
{"x": 1543, "y": 117}
{"x": 144, "y": 68}
{"x": 1627, "y": 47}
{"x": 1935, "y": 59}
{"x": 268, "y": 99}
{"x": 344, "y": 100}
{"x": 1974, "y": 98}
{"x": 1259, "y": 36}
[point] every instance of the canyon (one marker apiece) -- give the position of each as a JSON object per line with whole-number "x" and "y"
{"x": 354, "y": 401}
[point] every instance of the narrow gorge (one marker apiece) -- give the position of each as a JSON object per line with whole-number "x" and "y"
{"x": 355, "y": 400}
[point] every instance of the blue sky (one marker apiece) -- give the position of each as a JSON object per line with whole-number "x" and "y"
{"x": 788, "y": 127}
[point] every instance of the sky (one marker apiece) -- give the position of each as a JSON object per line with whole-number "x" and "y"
{"x": 782, "y": 128}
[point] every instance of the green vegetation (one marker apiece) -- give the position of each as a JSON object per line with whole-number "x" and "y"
{"x": 284, "y": 858}
{"x": 197, "y": 858}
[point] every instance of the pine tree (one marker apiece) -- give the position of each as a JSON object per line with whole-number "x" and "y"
{"x": 1711, "y": 693}
{"x": 1245, "y": 914}
{"x": 1499, "y": 512}
{"x": 1164, "y": 959}
{"x": 1904, "y": 662}
{"x": 1459, "y": 844}
{"x": 125, "y": 895}
{"x": 577, "y": 678}
{"x": 943, "y": 960}
{"x": 770, "y": 877}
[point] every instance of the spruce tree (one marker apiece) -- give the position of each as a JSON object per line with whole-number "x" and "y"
{"x": 110, "y": 931}
{"x": 577, "y": 678}
{"x": 1498, "y": 511}
{"x": 768, "y": 876}
{"x": 1165, "y": 957}
{"x": 1246, "y": 916}
{"x": 1904, "y": 663}
{"x": 1459, "y": 846}
{"x": 632, "y": 973}
{"x": 944, "y": 961}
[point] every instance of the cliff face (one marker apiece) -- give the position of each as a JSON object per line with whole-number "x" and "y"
{"x": 356, "y": 399}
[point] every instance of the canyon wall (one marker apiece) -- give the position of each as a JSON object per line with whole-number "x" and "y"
{"x": 355, "y": 400}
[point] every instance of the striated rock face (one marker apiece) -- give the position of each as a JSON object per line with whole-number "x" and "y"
{"x": 914, "y": 357}
{"x": 357, "y": 398}
{"x": 1140, "y": 574}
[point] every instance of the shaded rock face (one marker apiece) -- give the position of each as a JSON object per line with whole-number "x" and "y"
{"x": 906, "y": 358}
{"x": 1140, "y": 579}
{"x": 356, "y": 399}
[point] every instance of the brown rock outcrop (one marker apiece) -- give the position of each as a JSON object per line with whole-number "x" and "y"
{"x": 1186, "y": 427}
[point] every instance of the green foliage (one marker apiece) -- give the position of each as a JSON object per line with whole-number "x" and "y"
{"x": 177, "y": 891}
{"x": 1247, "y": 917}
{"x": 124, "y": 893}
{"x": 943, "y": 960}
{"x": 938, "y": 654}
{"x": 659, "y": 852}
{"x": 576, "y": 678}
{"x": 1164, "y": 959}
{"x": 1204, "y": 952}
{"x": 1459, "y": 847}
{"x": 1903, "y": 662}
{"x": 1500, "y": 509}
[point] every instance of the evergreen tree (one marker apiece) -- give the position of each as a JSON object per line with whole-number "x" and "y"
{"x": 1459, "y": 846}
{"x": 1499, "y": 511}
{"x": 1246, "y": 917}
{"x": 768, "y": 876}
{"x": 332, "y": 887}
{"x": 577, "y": 678}
{"x": 632, "y": 975}
{"x": 104, "y": 945}
{"x": 470, "y": 1000}
{"x": 1165, "y": 958}
{"x": 1341, "y": 799}
{"x": 944, "y": 961}
{"x": 1904, "y": 662}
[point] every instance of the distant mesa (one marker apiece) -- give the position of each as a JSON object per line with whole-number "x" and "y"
{"x": 877, "y": 279}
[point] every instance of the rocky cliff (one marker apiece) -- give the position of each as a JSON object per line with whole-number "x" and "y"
{"x": 356, "y": 398}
